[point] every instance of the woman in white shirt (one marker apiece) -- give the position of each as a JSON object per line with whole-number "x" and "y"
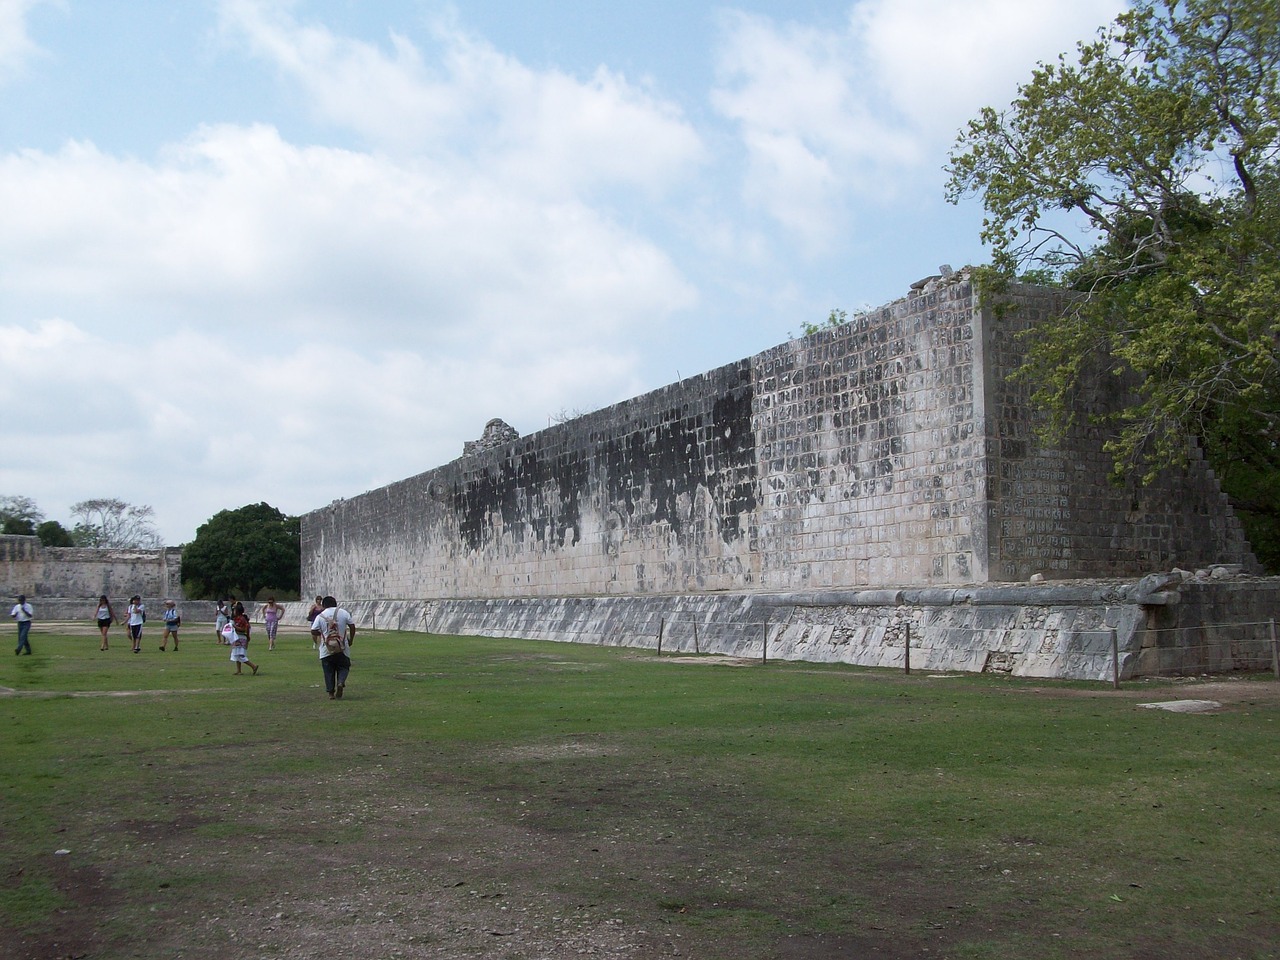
{"x": 137, "y": 617}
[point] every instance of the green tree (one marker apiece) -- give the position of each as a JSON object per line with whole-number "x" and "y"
{"x": 107, "y": 522}
{"x": 1145, "y": 176}
{"x": 54, "y": 534}
{"x": 244, "y": 552}
{"x": 19, "y": 516}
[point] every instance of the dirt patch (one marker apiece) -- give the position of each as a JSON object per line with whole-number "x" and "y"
{"x": 85, "y": 892}
{"x": 1234, "y": 692}
{"x": 703, "y": 660}
{"x": 54, "y": 694}
{"x": 575, "y": 849}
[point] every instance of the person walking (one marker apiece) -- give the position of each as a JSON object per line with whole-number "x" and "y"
{"x": 172, "y": 621}
{"x": 317, "y": 608}
{"x": 272, "y": 613}
{"x": 240, "y": 640}
{"x": 23, "y": 613}
{"x": 224, "y": 615}
{"x": 105, "y": 617}
{"x": 137, "y": 617}
{"x": 334, "y": 631}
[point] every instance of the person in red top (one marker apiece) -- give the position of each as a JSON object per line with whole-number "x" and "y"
{"x": 240, "y": 642}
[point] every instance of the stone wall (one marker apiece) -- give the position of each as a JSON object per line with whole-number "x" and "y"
{"x": 38, "y": 571}
{"x": 1156, "y": 626}
{"x": 1055, "y": 510}
{"x": 891, "y": 451}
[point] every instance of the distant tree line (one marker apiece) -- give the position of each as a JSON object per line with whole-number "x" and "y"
{"x": 248, "y": 552}
{"x": 105, "y": 522}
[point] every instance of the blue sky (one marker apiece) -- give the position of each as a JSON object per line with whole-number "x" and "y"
{"x": 291, "y": 251}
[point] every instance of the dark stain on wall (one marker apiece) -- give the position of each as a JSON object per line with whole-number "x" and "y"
{"x": 536, "y": 496}
{"x": 643, "y": 466}
{"x": 731, "y": 416}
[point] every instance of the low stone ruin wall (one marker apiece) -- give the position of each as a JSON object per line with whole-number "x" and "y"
{"x": 28, "y": 567}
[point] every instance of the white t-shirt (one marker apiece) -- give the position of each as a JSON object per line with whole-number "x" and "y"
{"x": 21, "y": 612}
{"x": 135, "y": 613}
{"x": 326, "y": 617}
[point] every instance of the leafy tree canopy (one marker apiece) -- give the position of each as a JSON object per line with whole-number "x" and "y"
{"x": 1145, "y": 176}
{"x": 244, "y": 552}
{"x": 19, "y": 516}
{"x": 110, "y": 523}
{"x": 54, "y": 534}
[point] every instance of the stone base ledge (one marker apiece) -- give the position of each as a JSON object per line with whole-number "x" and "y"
{"x": 1160, "y": 625}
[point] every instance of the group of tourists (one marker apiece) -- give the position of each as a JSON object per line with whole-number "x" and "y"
{"x": 333, "y": 631}
{"x": 135, "y": 617}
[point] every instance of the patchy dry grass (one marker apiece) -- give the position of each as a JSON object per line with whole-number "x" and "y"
{"x": 509, "y": 799}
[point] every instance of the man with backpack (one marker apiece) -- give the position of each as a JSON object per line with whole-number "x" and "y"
{"x": 333, "y": 631}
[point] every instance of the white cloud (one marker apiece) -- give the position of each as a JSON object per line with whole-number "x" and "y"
{"x": 543, "y": 131}
{"x": 16, "y": 45}
{"x": 239, "y": 227}
{"x": 865, "y": 115}
{"x": 794, "y": 92}
{"x": 939, "y": 61}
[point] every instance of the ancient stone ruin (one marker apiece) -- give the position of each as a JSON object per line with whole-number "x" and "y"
{"x": 497, "y": 433}
{"x": 849, "y": 483}
{"x": 66, "y": 581}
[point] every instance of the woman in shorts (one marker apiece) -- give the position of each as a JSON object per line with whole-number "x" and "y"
{"x": 105, "y": 616}
{"x": 172, "y": 621}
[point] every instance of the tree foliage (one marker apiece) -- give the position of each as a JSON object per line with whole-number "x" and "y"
{"x": 836, "y": 318}
{"x": 19, "y": 516}
{"x": 54, "y": 534}
{"x": 244, "y": 552}
{"x": 110, "y": 523}
{"x": 1145, "y": 176}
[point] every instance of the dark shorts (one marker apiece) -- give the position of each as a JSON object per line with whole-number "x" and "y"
{"x": 104, "y": 623}
{"x": 135, "y": 630}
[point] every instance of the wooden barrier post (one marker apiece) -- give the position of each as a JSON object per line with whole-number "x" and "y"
{"x": 764, "y": 646}
{"x": 1115, "y": 659}
{"x": 695, "y": 637}
{"x": 662, "y": 623}
{"x": 906, "y": 651}
{"x": 1275, "y": 651}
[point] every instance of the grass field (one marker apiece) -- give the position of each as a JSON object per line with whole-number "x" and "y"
{"x": 515, "y": 799}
